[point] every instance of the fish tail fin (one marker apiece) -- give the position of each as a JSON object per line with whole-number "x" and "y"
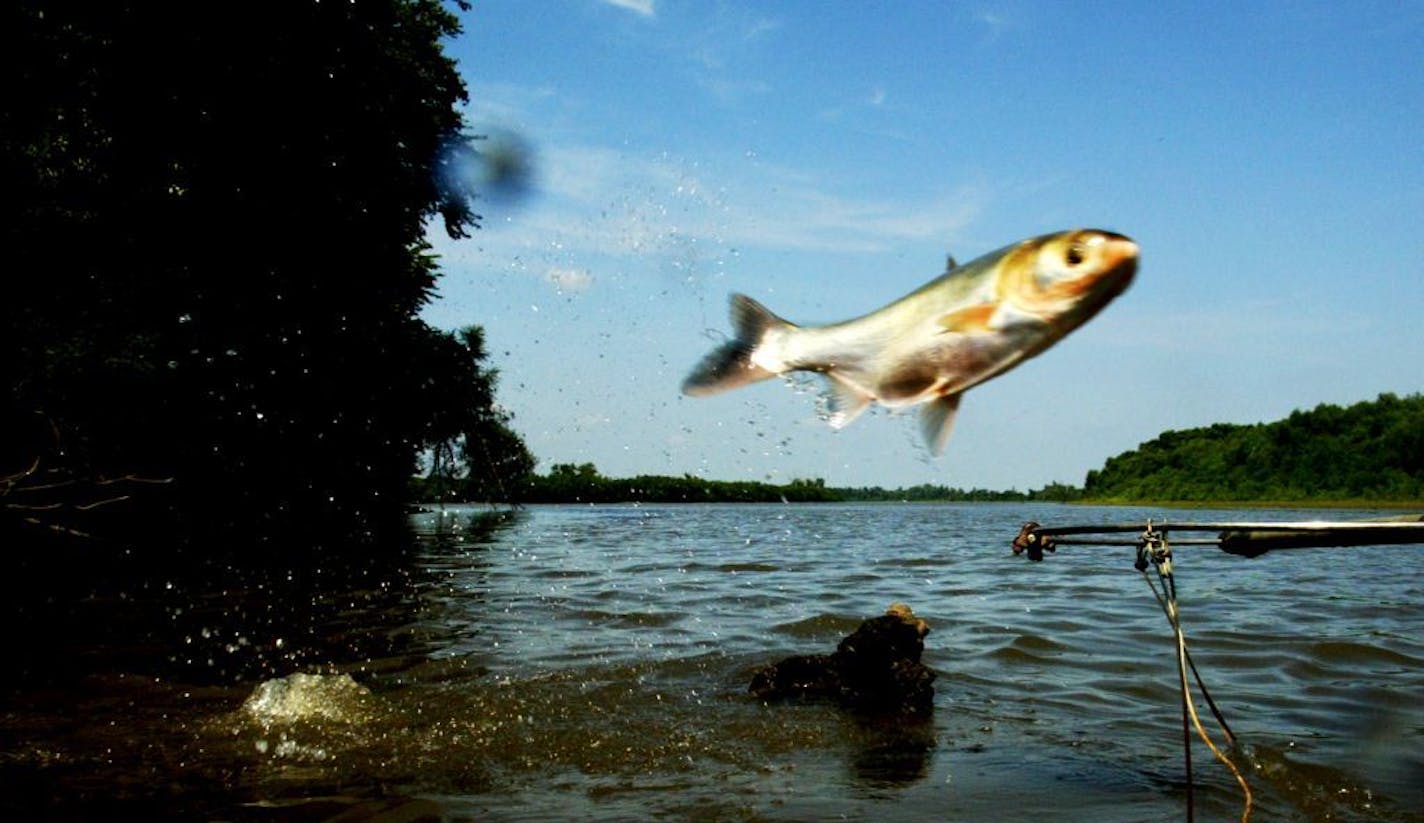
{"x": 937, "y": 421}
{"x": 730, "y": 365}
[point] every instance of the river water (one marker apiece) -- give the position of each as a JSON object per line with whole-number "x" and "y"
{"x": 565, "y": 662}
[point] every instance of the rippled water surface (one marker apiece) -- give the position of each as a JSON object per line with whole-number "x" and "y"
{"x": 567, "y": 662}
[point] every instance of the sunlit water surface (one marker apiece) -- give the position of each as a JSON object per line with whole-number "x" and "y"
{"x": 568, "y": 662}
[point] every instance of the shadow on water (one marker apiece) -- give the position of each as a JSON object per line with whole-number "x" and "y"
{"x": 117, "y": 650}
{"x": 892, "y": 753}
{"x": 209, "y": 613}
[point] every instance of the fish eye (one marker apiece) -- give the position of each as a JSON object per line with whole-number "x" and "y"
{"x": 1075, "y": 254}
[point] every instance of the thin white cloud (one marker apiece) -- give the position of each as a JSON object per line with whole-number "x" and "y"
{"x": 724, "y": 53}
{"x": 596, "y": 204}
{"x": 992, "y": 19}
{"x": 591, "y": 206}
{"x": 569, "y": 279}
{"x": 801, "y": 215}
{"x": 643, "y": 7}
{"x": 733, "y": 91}
{"x": 627, "y": 205}
{"x": 994, "y": 22}
{"x": 760, "y": 27}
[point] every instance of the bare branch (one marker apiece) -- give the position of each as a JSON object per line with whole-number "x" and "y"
{"x": 130, "y": 478}
{"x": 84, "y": 507}
{"x": 10, "y": 480}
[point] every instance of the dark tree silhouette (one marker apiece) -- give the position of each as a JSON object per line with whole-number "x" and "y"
{"x": 213, "y": 220}
{"x": 474, "y": 454}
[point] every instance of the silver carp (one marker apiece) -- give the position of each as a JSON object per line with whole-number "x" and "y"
{"x": 973, "y": 323}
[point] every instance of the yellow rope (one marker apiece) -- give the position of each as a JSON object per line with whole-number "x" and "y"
{"x": 1196, "y": 719}
{"x": 1160, "y": 556}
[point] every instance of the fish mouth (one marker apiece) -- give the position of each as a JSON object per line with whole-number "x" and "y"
{"x": 1120, "y": 255}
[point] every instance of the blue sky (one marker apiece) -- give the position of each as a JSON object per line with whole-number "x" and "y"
{"x": 823, "y": 157}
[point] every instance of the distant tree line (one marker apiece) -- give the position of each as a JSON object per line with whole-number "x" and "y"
{"x": 215, "y": 263}
{"x": 1369, "y": 451}
{"x": 582, "y": 483}
{"x": 1054, "y": 492}
{"x": 569, "y": 483}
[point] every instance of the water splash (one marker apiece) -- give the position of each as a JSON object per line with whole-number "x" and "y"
{"x": 298, "y": 697}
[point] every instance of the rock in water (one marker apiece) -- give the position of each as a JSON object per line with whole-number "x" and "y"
{"x": 875, "y": 669}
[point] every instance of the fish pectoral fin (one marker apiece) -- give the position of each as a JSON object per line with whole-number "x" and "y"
{"x": 937, "y": 421}
{"x": 977, "y": 318}
{"x": 845, "y": 401}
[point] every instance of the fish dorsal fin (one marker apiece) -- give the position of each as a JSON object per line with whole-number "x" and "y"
{"x": 970, "y": 319}
{"x": 937, "y": 421}
{"x": 751, "y": 320}
{"x": 845, "y": 401}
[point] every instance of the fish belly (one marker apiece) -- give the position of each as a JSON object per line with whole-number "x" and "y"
{"x": 946, "y": 364}
{"x": 902, "y": 355}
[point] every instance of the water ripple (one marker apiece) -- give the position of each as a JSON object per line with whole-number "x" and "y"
{"x": 593, "y": 661}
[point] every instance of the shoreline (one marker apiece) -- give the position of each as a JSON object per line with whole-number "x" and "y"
{"x": 1383, "y": 505}
{"x": 1380, "y": 505}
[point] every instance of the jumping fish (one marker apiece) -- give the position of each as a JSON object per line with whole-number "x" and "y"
{"x": 973, "y": 323}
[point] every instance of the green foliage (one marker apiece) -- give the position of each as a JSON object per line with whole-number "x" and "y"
{"x": 1372, "y": 450}
{"x": 569, "y": 483}
{"x": 474, "y": 454}
{"x": 1369, "y": 451}
{"x": 215, "y": 266}
{"x": 582, "y": 483}
{"x": 926, "y": 492}
{"x": 1053, "y": 492}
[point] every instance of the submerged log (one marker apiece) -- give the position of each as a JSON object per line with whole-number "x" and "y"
{"x": 875, "y": 669}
